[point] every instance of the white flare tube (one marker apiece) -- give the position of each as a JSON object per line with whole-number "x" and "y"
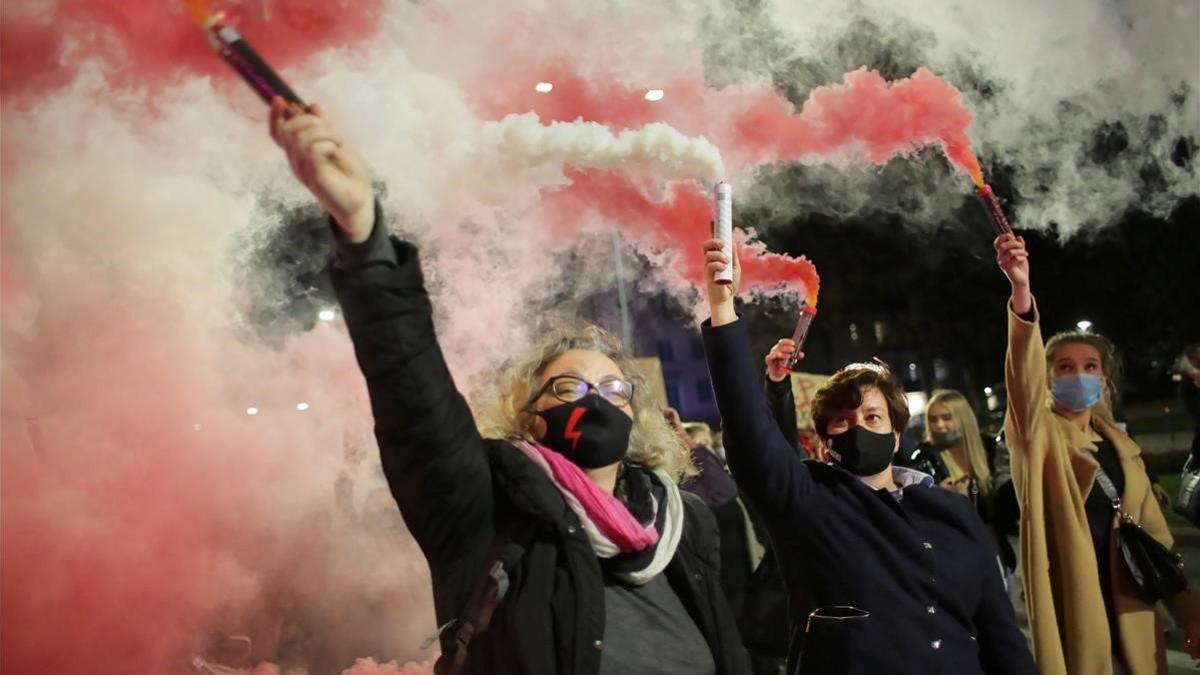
{"x": 723, "y": 228}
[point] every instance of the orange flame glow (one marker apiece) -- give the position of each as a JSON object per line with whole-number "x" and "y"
{"x": 199, "y": 10}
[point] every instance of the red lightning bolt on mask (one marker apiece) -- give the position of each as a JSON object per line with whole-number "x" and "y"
{"x": 591, "y": 432}
{"x": 570, "y": 432}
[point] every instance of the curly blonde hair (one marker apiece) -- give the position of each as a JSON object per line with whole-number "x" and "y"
{"x": 652, "y": 444}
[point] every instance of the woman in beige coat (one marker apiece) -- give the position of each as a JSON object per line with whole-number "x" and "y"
{"x": 1084, "y": 614}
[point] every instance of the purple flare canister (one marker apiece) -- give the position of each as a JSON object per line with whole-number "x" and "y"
{"x": 807, "y": 313}
{"x": 237, "y": 52}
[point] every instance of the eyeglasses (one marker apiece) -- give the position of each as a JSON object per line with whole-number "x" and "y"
{"x": 569, "y": 388}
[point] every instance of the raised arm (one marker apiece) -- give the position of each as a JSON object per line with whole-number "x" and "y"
{"x": 431, "y": 451}
{"x": 432, "y": 454}
{"x": 780, "y": 398}
{"x": 766, "y": 468}
{"x": 1025, "y": 362}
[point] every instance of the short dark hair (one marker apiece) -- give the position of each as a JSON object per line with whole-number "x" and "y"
{"x": 843, "y": 391}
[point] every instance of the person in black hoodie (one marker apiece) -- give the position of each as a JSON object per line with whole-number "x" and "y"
{"x": 564, "y": 547}
{"x": 886, "y": 573}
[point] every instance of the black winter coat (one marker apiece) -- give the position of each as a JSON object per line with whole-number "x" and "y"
{"x": 461, "y": 495}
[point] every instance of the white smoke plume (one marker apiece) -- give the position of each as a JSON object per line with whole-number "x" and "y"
{"x": 520, "y": 140}
{"x": 1087, "y": 106}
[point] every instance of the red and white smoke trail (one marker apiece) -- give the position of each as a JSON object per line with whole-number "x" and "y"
{"x": 131, "y": 156}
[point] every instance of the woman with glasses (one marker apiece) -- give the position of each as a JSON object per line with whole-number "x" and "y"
{"x": 560, "y": 545}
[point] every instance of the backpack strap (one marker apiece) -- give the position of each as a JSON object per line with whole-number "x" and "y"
{"x": 486, "y": 594}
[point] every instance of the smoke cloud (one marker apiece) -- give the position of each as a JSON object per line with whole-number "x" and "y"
{"x": 162, "y": 274}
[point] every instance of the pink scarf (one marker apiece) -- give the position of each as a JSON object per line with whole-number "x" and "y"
{"x": 606, "y": 512}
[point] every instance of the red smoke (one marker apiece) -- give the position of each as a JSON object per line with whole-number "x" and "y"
{"x": 147, "y": 43}
{"x": 678, "y": 221}
{"x": 144, "y": 511}
{"x": 864, "y": 114}
{"x": 116, "y": 566}
{"x": 114, "y": 512}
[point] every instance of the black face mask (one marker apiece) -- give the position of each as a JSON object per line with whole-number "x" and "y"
{"x": 861, "y": 451}
{"x": 945, "y": 439}
{"x": 591, "y": 432}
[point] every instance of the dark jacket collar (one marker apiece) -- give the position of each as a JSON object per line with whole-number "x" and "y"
{"x": 524, "y": 485}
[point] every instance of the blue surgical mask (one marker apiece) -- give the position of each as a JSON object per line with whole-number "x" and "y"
{"x": 1077, "y": 392}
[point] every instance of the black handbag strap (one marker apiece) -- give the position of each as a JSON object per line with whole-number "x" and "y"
{"x": 1110, "y": 489}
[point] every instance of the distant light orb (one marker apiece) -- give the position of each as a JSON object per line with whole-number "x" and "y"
{"x": 655, "y": 95}
{"x": 917, "y": 400}
{"x": 543, "y": 87}
{"x": 1084, "y": 325}
{"x": 326, "y": 315}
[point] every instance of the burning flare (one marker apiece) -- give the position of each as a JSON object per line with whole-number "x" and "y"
{"x": 237, "y": 52}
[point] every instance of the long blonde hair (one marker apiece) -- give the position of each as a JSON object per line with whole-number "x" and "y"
{"x": 652, "y": 444}
{"x": 972, "y": 440}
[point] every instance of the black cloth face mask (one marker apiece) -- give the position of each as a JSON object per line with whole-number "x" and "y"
{"x": 861, "y": 451}
{"x": 591, "y": 432}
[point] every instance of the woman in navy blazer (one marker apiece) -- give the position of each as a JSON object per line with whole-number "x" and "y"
{"x": 886, "y": 574}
